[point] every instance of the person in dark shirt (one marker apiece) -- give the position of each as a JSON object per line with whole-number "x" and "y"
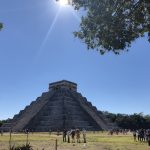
{"x": 148, "y": 137}
{"x": 64, "y": 135}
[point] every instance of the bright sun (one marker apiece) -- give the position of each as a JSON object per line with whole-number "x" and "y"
{"x": 63, "y": 2}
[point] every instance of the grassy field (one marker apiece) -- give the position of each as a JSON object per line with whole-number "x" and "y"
{"x": 95, "y": 141}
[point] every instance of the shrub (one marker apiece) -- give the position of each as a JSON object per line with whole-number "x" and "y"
{"x": 22, "y": 147}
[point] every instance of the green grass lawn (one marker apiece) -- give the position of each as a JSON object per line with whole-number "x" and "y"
{"x": 95, "y": 141}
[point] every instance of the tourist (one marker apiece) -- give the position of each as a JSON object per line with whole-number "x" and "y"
{"x": 73, "y": 135}
{"x": 134, "y": 135}
{"x": 1, "y": 132}
{"x": 78, "y": 135}
{"x": 146, "y": 134}
{"x": 64, "y": 135}
{"x": 142, "y": 135}
{"x": 111, "y": 132}
{"x": 138, "y": 133}
{"x": 68, "y": 136}
{"x": 26, "y": 131}
{"x": 148, "y": 137}
{"x": 84, "y": 135}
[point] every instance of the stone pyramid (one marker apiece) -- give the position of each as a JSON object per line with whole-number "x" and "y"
{"x": 61, "y": 107}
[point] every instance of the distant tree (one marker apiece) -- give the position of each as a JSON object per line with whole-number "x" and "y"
{"x": 2, "y": 122}
{"x": 135, "y": 121}
{"x": 1, "y": 26}
{"x": 112, "y": 25}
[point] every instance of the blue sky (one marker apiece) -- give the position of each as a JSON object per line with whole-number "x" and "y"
{"x": 37, "y": 47}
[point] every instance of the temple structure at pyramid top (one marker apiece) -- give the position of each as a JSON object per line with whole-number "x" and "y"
{"x": 61, "y": 107}
{"x": 64, "y": 84}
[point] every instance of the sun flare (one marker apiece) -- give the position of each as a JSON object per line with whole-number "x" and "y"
{"x": 63, "y": 2}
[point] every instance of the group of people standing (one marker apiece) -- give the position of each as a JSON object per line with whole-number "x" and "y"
{"x": 74, "y": 135}
{"x": 142, "y": 135}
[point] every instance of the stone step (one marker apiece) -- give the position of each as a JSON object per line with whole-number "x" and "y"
{"x": 71, "y": 103}
{"x": 44, "y": 118}
{"x": 7, "y": 125}
{"x": 47, "y": 128}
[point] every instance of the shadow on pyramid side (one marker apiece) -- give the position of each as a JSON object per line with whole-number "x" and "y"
{"x": 61, "y": 107}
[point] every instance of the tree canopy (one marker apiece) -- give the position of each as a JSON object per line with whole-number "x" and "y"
{"x": 2, "y": 122}
{"x": 134, "y": 121}
{"x": 112, "y": 25}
